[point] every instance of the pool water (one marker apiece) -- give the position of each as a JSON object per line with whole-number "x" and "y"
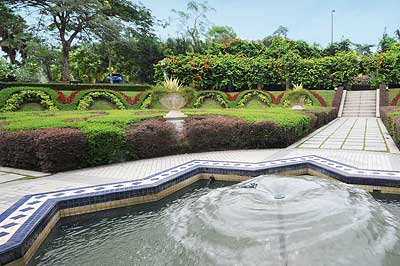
{"x": 268, "y": 220}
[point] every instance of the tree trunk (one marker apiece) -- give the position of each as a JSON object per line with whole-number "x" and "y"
{"x": 66, "y": 72}
{"x": 48, "y": 72}
{"x": 110, "y": 66}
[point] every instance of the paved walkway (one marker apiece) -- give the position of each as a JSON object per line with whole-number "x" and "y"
{"x": 360, "y": 142}
{"x": 352, "y": 133}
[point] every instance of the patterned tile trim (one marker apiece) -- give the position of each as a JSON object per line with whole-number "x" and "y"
{"x": 25, "y": 219}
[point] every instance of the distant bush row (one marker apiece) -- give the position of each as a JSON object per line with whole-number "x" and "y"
{"x": 73, "y": 87}
{"x": 237, "y": 72}
{"x": 12, "y": 99}
{"x": 54, "y": 150}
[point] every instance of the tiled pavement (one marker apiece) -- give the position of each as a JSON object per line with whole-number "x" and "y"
{"x": 352, "y": 133}
{"x": 339, "y": 141}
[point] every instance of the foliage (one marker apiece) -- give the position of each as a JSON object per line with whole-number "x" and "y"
{"x": 194, "y": 22}
{"x": 232, "y": 72}
{"x": 86, "y": 101}
{"x": 71, "y": 19}
{"x": 73, "y": 87}
{"x": 391, "y": 118}
{"x": 6, "y": 71}
{"x": 16, "y": 100}
{"x": 298, "y": 96}
{"x": 40, "y": 140}
{"x": 246, "y": 96}
{"x": 248, "y": 132}
{"x": 220, "y": 97}
{"x": 221, "y": 34}
{"x": 152, "y": 138}
{"x": 13, "y": 33}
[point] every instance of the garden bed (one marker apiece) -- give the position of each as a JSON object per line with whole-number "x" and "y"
{"x": 33, "y": 98}
{"x": 60, "y": 141}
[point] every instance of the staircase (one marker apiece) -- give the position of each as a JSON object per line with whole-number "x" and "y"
{"x": 360, "y": 104}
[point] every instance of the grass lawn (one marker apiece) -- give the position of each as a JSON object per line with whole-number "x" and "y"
{"x": 122, "y": 118}
{"x": 328, "y": 96}
{"x": 392, "y": 94}
{"x": 73, "y": 119}
{"x": 279, "y": 115}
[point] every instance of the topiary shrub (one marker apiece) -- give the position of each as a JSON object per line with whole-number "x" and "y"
{"x": 298, "y": 97}
{"x": 61, "y": 149}
{"x": 86, "y": 101}
{"x": 152, "y": 138}
{"x": 218, "y": 96}
{"x": 48, "y": 150}
{"x": 211, "y": 133}
{"x": 16, "y": 100}
{"x": 106, "y": 144}
{"x": 246, "y": 96}
{"x": 18, "y": 149}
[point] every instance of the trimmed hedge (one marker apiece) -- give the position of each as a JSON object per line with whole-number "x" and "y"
{"x": 152, "y": 138}
{"x": 246, "y": 96}
{"x": 103, "y": 139}
{"x": 210, "y": 133}
{"x": 220, "y": 97}
{"x": 8, "y": 93}
{"x": 391, "y": 118}
{"x": 73, "y": 87}
{"x": 145, "y": 100}
{"x": 49, "y": 150}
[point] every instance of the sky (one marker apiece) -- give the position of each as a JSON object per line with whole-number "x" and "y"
{"x": 362, "y": 21}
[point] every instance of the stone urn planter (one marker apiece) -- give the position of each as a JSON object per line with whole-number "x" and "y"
{"x": 173, "y": 102}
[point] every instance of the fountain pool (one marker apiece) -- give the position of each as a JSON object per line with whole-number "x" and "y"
{"x": 268, "y": 220}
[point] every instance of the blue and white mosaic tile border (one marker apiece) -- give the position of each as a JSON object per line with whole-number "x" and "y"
{"x": 21, "y": 219}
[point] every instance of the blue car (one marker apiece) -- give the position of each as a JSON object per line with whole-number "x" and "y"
{"x": 116, "y": 78}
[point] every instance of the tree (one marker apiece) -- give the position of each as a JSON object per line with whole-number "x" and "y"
{"x": 281, "y": 31}
{"x": 337, "y": 47}
{"x": 46, "y": 55}
{"x": 73, "y": 19}
{"x": 13, "y": 33}
{"x": 221, "y": 34}
{"x": 386, "y": 42}
{"x": 194, "y": 22}
{"x": 363, "y": 49}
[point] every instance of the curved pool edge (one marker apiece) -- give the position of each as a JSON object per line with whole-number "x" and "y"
{"x": 26, "y": 224}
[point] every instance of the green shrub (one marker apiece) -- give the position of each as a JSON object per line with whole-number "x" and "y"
{"x": 245, "y": 96}
{"x": 294, "y": 97}
{"x": 106, "y": 144}
{"x": 86, "y": 101}
{"x": 16, "y": 100}
{"x": 218, "y": 96}
{"x": 88, "y": 97}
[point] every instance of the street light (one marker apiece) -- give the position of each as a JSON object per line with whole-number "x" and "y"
{"x": 333, "y": 11}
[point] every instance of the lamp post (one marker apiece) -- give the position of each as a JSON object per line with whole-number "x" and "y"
{"x": 333, "y": 11}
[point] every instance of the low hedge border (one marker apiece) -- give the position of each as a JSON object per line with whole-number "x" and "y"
{"x": 220, "y": 97}
{"x": 96, "y": 143}
{"x": 6, "y": 94}
{"x": 17, "y": 100}
{"x": 144, "y": 100}
{"x": 246, "y": 96}
{"x": 391, "y": 118}
{"x": 114, "y": 96}
{"x": 87, "y": 101}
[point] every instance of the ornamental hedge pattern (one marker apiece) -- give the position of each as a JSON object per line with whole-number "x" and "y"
{"x": 88, "y": 100}
{"x": 246, "y": 96}
{"x": 83, "y": 99}
{"x": 17, "y": 99}
{"x": 218, "y": 96}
